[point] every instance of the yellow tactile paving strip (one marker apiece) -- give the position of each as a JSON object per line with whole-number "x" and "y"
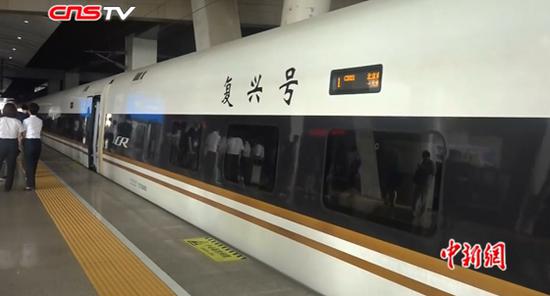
{"x": 110, "y": 266}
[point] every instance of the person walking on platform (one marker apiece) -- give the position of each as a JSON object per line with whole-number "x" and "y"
{"x": 10, "y": 135}
{"x": 32, "y": 145}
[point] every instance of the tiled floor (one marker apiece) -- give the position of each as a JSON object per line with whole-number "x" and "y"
{"x": 34, "y": 259}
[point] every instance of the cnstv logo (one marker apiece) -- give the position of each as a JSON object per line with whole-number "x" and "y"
{"x": 86, "y": 13}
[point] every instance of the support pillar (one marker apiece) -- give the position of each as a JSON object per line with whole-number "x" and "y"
{"x": 4, "y": 84}
{"x": 72, "y": 79}
{"x": 1, "y": 76}
{"x": 215, "y": 22}
{"x": 298, "y": 10}
{"x": 140, "y": 52}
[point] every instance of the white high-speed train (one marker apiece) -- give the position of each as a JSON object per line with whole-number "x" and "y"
{"x": 346, "y": 150}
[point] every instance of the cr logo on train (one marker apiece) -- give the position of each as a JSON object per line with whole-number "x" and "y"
{"x": 121, "y": 141}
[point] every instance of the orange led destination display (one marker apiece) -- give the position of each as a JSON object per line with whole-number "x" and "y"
{"x": 357, "y": 80}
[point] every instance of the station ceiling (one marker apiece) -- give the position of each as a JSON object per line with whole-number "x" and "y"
{"x": 21, "y": 36}
{"x": 48, "y": 49}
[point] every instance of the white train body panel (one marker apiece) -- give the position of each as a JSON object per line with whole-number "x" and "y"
{"x": 294, "y": 259}
{"x": 60, "y": 103}
{"x": 69, "y": 149}
{"x": 440, "y": 59}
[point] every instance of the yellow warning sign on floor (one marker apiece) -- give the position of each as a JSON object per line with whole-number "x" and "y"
{"x": 214, "y": 249}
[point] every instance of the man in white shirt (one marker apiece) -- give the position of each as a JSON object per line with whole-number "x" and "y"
{"x": 10, "y": 132}
{"x": 32, "y": 145}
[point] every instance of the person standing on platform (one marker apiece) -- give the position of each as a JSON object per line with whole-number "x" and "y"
{"x": 24, "y": 114}
{"x": 422, "y": 178}
{"x": 32, "y": 145}
{"x": 10, "y": 136}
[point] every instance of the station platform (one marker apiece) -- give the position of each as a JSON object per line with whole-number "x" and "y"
{"x": 81, "y": 234}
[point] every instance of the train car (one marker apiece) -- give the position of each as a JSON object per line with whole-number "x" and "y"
{"x": 349, "y": 151}
{"x": 71, "y": 121}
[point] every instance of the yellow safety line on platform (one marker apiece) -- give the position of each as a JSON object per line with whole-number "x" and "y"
{"x": 111, "y": 267}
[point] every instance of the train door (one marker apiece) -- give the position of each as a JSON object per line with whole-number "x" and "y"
{"x": 92, "y": 134}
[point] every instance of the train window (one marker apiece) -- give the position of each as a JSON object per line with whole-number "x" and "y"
{"x": 122, "y": 135}
{"x": 391, "y": 178}
{"x": 136, "y": 136}
{"x": 139, "y": 76}
{"x": 184, "y": 144}
{"x": 173, "y": 134}
{"x": 153, "y": 139}
{"x": 251, "y": 155}
{"x": 78, "y": 129}
{"x": 85, "y": 125}
{"x": 69, "y": 126}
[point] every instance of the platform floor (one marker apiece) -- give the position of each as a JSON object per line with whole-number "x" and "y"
{"x": 35, "y": 259}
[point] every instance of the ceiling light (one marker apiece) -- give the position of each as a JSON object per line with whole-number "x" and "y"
{"x": 26, "y": 21}
{"x": 19, "y": 37}
{"x": 14, "y": 49}
{"x": 10, "y": 58}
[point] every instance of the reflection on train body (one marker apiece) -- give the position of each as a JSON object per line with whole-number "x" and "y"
{"x": 409, "y": 181}
{"x": 381, "y": 176}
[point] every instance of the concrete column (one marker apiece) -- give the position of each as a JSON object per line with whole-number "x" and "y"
{"x": 298, "y": 10}
{"x": 72, "y": 79}
{"x": 2, "y": 77}
{"x": 54, "y": 85}
{"x": 215, "y": 22}
{"x": 4, "y": 84}
{"x": 140, "y": 52}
